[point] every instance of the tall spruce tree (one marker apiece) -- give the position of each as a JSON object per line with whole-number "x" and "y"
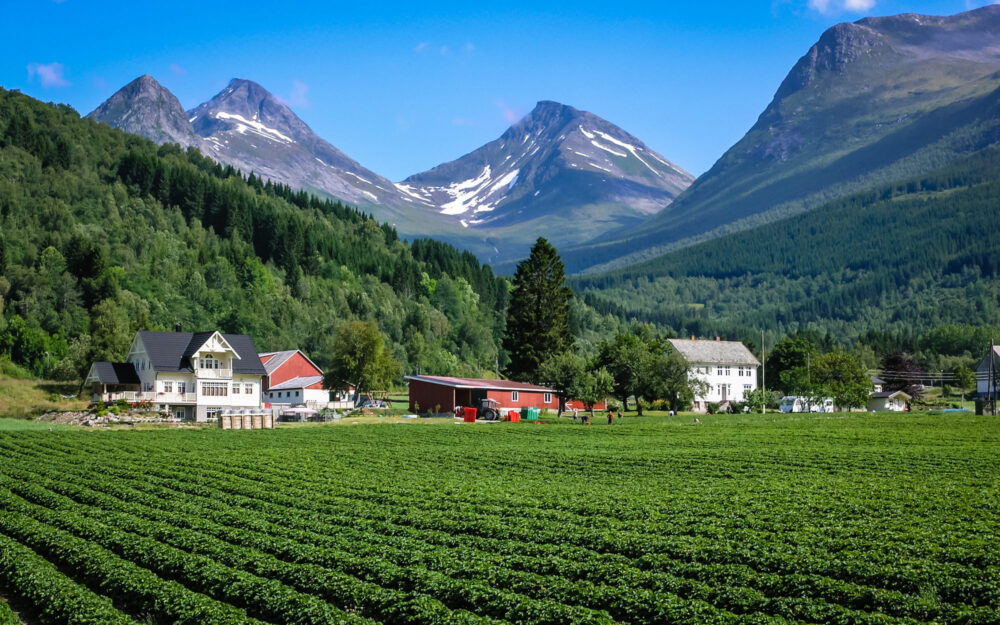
{"x": 538, "y": 316}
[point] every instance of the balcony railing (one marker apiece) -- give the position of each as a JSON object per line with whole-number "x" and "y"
{"x": 147, "y": 396}
{"x": 214, "y": 373}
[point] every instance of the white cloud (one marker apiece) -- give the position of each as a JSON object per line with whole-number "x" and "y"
{"x": 50, "y": 75}
{"x": 859, "y": 5}
{"x": 421, "y": 47}
{"x": 510, "y": 114}
{"x": 828, "y": 7}
{"x": 299, "y": 95}
{"x": 177, "y": 69}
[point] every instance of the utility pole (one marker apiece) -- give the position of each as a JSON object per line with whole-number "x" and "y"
{"x": 763, "y": 375}
{"x": 992, "y": 382}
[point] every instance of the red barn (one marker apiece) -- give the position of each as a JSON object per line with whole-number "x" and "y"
{"x": 293, "y": 379}
{"x": 437, "y": 394}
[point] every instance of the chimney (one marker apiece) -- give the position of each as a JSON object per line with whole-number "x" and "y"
{"x": 177, "y": 327}
{"x": 718, "y": 339}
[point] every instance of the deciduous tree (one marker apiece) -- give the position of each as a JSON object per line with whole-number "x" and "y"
{"x": 360, "y": 359}
{"x": 566, "y": 374}
{"x": 840, "y": 376}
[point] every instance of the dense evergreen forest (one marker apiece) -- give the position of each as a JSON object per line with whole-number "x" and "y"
{"x": 881, "y": 268}
{"x": 104, "y": 233}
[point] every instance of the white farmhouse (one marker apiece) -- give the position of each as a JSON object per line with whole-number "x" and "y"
{"x": 190, "y": 375}
{"x": 728, "y": 367}
{"x": 984, "y": 386}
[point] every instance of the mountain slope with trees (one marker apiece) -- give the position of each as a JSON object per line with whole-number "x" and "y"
{"x": 872, "y": 102}
{"x": 104, "y": 233}
{"x": 898, "y": 260}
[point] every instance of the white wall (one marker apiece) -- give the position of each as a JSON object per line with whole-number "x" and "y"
{"x": 298, "y": 396}
{"x": 740, "y": 381}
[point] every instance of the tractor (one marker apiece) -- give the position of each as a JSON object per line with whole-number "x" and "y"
{"x": 489, "y": 410}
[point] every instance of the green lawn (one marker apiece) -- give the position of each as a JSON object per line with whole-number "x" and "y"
{"x": 844, "y": 518}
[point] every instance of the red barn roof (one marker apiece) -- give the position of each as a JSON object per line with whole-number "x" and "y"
{"x": 499, "y": 385}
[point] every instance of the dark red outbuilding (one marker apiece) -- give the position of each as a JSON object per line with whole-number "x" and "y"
{"x": 440, "y": 394}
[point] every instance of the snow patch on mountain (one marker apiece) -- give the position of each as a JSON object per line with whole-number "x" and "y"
{"x": 255, "y": 127}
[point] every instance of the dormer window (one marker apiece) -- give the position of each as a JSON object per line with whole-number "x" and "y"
{"x": 209, "y": 362}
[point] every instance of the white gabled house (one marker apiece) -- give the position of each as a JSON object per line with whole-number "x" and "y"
{"x": 983, "y": 383}
{"x": 888, "y": 401}
{"x": 727, "y": 367}
{"x": 190, "y": 375}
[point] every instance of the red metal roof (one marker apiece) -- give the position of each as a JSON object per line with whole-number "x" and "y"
{"x": 503, "y": 385}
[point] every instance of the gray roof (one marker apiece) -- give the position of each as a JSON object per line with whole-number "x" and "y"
{"x": 116, "y": 373}
{"x": 714, "y": 352}
{"x": 171, "y": 351}
{"x": 889, "y": 394}
{"x": 300, "y": 382}
{"x": 277, "y": 359}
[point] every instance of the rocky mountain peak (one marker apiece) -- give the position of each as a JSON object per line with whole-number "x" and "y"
{"x": 147, "y": 108}
{"x": 246, "y": 106}
{"x": 837, "y": 48}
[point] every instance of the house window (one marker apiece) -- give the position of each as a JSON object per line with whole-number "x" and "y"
{"x": 147, "y": 386}
{"x": 718, "y": 371}
{"x": 209, "y": 363}
{"x": 214, "y": 389}
{"x": 182, "y": 387}
{"x": 746, "y": 390}
{"x": 513, "y": 396}
{"x": 168, "y": 387}
{"x": 547, "y": 398}
{"x": 236, "y": 388}
{"x": 727, "y": 371}
{"x": 248, "y": 389}
{"x": 212, "y": 414}
{"x": 296, "y": 393}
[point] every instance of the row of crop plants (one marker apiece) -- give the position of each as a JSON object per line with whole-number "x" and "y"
{"x": 670, "y": 585}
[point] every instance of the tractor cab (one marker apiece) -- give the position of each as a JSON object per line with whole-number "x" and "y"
{"x": 488, "y": 410}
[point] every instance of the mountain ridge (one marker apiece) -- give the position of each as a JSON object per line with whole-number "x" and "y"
{"x": 554, "y": 166}
{"x": 547, "y": 172}
{"x": 871, "y": 101}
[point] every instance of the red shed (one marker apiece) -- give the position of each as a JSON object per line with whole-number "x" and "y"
{"x": 440, "y": 394}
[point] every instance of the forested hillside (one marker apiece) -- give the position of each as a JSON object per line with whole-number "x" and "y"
{"x": 895, "y": 261}
{"x": 104, "y": 233}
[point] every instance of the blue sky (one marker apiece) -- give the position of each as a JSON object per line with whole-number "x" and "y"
{"x": 404, "y": 87}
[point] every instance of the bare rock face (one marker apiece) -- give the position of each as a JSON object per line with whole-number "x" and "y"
{"x": 144, "y": 107}
{"x": 246, "y": 126}
{"x": 555, "y": 159}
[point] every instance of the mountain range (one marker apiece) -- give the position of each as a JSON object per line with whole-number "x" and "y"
{"x": 558, "y": 170}
{"x": 871, "y": 102}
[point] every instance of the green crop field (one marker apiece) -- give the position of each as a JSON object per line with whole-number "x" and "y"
{"x": 838, "y": 519}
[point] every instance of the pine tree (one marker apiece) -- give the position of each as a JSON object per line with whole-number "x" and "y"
{"x": 538, "y": 316}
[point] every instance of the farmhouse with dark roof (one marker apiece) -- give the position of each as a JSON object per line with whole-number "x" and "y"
{"x": 190, "y": 375}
